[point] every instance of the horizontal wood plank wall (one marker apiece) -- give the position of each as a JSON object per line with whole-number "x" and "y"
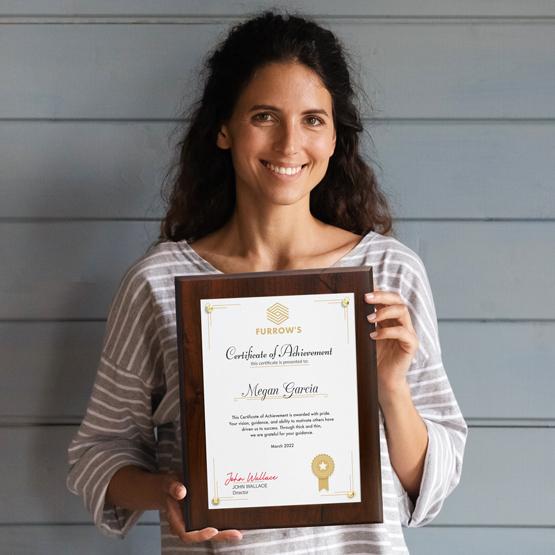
{"x": 114, "y": 169}
{"x": 462, "y": 133}
{"x": 106, "y": 65}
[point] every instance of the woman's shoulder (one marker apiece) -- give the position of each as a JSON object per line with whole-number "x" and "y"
{"x": 388, "y": 253}
{"x": 162, "y": 260}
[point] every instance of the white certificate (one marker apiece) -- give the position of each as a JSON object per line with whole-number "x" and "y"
{"x": 280, "y": 400}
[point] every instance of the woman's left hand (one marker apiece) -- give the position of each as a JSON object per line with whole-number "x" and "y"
{"x": 397, "y": 341}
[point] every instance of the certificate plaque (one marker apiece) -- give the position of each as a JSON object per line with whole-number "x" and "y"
{"x": 278, "y": 398}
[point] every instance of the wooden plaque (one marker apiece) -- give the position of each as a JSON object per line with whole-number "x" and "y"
{"x": 343, "y": 486}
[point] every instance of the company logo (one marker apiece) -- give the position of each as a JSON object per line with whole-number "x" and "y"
{"x": 277, "y": 313}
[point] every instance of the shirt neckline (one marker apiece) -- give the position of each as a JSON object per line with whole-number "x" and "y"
{"x": 188, "y": 249}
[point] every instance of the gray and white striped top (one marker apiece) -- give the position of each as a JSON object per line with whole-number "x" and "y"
{"x": 133, "y": 413}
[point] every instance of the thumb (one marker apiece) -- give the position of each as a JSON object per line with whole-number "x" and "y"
{"x": 178, "y": 490}
{"x": 173, "y": 487}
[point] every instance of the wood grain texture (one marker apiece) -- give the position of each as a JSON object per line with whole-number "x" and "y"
{"x": 189, "y": 291}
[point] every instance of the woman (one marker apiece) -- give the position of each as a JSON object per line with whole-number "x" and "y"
{"x": 270, "y": 178}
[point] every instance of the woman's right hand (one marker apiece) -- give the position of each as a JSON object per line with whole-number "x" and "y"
{"x": 173, "y": 492}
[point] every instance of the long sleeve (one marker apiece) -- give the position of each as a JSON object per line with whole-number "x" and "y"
{"x": 117, "y": 429}
{"x": 434, "y": 399}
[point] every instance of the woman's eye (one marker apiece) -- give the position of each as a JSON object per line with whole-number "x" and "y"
{"x": 314, "y": 121}
{"x": 263, "y": 117}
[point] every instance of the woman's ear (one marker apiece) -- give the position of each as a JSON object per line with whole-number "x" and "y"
{"x": 333, "y": 143}
{"x": 223, "y": 140}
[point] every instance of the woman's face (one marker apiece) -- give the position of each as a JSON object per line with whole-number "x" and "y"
{"x": 281, "y": 134}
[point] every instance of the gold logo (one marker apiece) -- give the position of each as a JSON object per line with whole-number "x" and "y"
{"x": 277, "y": 313}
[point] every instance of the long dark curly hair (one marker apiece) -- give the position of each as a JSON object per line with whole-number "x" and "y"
{"x": 200, "y": 189}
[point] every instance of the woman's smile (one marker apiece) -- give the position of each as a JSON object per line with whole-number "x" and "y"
{"x": 285, "y": 172}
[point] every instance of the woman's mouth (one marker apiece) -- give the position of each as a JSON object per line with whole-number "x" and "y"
{"x": 282, "y": 171}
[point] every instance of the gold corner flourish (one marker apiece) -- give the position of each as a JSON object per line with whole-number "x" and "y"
{"x": 209, "y": 309}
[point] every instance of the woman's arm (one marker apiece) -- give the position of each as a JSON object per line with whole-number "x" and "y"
{"x": 397, "y": 343}
{"x": 407, "y": 438}
{"x": 423, "y": 424}
{"x": 136, "y": 489}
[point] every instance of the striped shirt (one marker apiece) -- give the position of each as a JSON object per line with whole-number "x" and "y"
{"x": 132, "y": 416}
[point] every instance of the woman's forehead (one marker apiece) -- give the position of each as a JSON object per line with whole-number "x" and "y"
{"x": 283, "y": 85}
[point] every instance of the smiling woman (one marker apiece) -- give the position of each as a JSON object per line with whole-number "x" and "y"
{"x": 278, "y": 96}
{"x": 269, "y": 177}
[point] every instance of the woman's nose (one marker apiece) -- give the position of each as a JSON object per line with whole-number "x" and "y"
{"x": 288, "y": 139}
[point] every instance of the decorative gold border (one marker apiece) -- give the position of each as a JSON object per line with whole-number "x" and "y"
{"x": 345, "y": 303}
{"x": 351, "y": 492}
{"x": 209, "y": 308}
{"x": 216, "y": 500}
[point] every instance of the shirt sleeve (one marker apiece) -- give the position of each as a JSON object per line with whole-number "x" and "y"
{"x": 117, "y": 429}
{"x": 434, "y": 400}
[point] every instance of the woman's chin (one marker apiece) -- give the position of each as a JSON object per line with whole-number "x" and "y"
{"x": 283, "y": 198}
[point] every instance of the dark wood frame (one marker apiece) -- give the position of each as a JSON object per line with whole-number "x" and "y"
{"x": 189, "y": 290}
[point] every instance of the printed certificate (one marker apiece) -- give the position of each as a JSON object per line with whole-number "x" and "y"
{"x": 280, "y": 398}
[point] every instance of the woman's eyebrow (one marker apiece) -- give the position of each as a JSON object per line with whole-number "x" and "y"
{"x": 276, "y": 109}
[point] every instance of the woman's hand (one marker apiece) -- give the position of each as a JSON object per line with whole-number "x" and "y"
{"x": 173, "y": 492}
{"x": 397, "y": 340}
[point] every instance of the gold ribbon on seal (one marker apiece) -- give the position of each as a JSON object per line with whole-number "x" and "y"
{"x": 322, "y": 468}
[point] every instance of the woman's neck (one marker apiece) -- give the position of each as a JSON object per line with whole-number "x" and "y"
{"x": 268, "y": 239}
{"x": 284, "y": 237}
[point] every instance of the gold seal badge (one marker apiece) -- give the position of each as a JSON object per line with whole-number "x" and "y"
{"x": 322, "y": 468}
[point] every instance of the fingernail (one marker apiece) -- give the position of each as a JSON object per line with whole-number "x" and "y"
{"x": 372, "y": 316}
{"x": 373, "y": 334}
{"x": 369, "y": 296}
